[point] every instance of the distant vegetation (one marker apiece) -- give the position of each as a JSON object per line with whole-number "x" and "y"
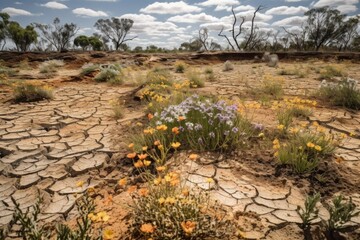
{"x": 325, "y": 29}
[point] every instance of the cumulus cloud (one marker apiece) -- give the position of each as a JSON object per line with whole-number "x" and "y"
{"x": 193, "y": 18}
{"x": 87, "y": 12}
{"x": 347, "y": 8}
{"x": 16, "y": 12}
{"x": 261, "y": 17}
{"x": 290, "y": 21}
{"x": 54, "y": 5}
{"x": 148, "y": 25}
{"x": 243, "y": 8}
{"x": 324, "y": 3}
{"x": 285, "y": 10}
{"x": 293, "y": 0}
{"x": 170, "y": 8}
{"x": 209, "y": 3}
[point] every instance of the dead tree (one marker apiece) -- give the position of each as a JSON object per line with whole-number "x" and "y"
{"x": 203, "y": 37}
{"x": 249, "y": 38}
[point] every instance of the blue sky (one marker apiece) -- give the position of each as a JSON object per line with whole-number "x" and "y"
{"x": 169, "y": 23}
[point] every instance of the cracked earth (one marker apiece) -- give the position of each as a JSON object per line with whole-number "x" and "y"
{"x": 51, "y": 146}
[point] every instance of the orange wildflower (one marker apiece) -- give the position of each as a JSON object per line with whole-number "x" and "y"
{"x": 175, "y": 130}
{"x": 157, "y": 142}
{"x": 147, "y": 228}
{"x": 142, "y": 156}
{"x": 123, "y": 182}
{"x": 181, "y": 118}
{"x": 193, "y": 156}
{"x": 150, "y": 116}
{"x": 188, "y": 227}
{"x": 147, "y": 163}
{"x": 143, "y": 192}
{"x": 131, "y": 145}
{"x": 139, "y": 164}
{"x": 131, "y": 155}
{"x": 176, "y": 145}
{"x": 132, "y": 189}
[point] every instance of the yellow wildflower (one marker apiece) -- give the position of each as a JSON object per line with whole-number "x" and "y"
{"x": 131, "y": 145}
{"x": 144, "y": 148}
{"x": 80, "y": 183}
{"x": 131, "y": 155}
{"x": 281, "y": 127}
{"x": 161, "y": 168}
{"x": 147, "y": 228}
{"x": 170, "y": 200}
{"x": 176, "y": 145}
{"x": 310, "y": 145}
{"x": 139, "y": 164}
{"x": 188, "y": 227}
{"x": 161, "y": 200}
{"x": 143, "y": 192}
{"x": 147, "y": 163}
{"x": 318, "y": 148}
{"x": 162, "y": 127}
{"x": 123, "y": 182}
{"x": 193, "y": 156}
{"x": 209, "y": 180}
{"x": 108, "y": 234}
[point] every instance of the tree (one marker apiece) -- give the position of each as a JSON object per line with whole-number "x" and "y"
{"x": 115, "y": 30}
{"x": 193, "y": 46}
{"x": 250, "y": 36}
{"x": 4, "y": 21}
{"x": 22, "y": 37}
{"x": 324, "y": 25}
{"x": 95, "y": 43}
{"x": 350, "y": 28}
{"x": 138, "y": 49}
{"x": 203, "y": 37}
{"x": 82, "y": 41}
{"x": 59, "y": 36}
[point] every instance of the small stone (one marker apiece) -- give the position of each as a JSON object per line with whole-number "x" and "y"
{"x": 28, "y": 180}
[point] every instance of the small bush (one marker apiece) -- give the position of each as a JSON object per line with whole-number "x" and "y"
{"x": 343, "y": 94}
{"x": 180, "y": 67}
{"x": 7, "y": 72}
{"x": 329, "y": 72}
{"x": 192, "y": 123}
{"x": 196, "y": 80}
{"x": 209, "y": 70}
{"x": 228, "y": 66}
{"x": 166, "y": 211}
{"x": 159, "y": 76}
{"x": 292, "y": 72}
{"x": 111, "y": 74}
{"x": 31, "y": 93}
{"x": 209, "y": 75}
{"x": 341, "y": 213}
{"x": 118, "y": 109}
{"x": 88, "y": 69}
{"x": 272, "y": 87}
{"x": 304, "y": 150}
{"x": 50, "y": 66}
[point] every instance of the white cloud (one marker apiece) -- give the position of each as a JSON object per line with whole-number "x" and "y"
{"x": 209, "y": 3}
{"x": 216, "y": 26}
{"x": 148, "y": 25}
{"x": 293, "y": 0}
{"x": 139, "y": 17}
{"x": 193, "y": 18}
{"x": 285, "y": 10}
{"x": 86, "y": 12}
{"x": 324, "y": 3}
{"x": 102, "y": 0}
{"x": 18, "y": 3}
{"x": 16, "y": 12}
{"x": 54, "y": 5}
{"x": 347, "y": 8}
{"x": 290, "y": 21}
{"x": 170, "y": 8}
{"x": 83, "y": 30}
{"x": 248, "y": 16}
{"x": 244, "y": 8}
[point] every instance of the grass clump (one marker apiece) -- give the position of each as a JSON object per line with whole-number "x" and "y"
{"x": 272, "y": 87}
{"x": 50, "y": 66}
{"x": 304, "y": 150}
{"x": 110, "y": 73}
{"x": 343, "y": 94}
{"x": 209, "y": 75}
{"x": 329, "y": 72}
{"x": 180, "y": 67}
{"x": 118, "y": 109}
{"x": 228, "y": 66}
{"x": 164, "y": 210}
{"x": 88, "y": 69}
{"x": 195, "y": 78}
{"x": 159, "y": 76}
{"x": 292, "y": 72}
{"x": 31, "y": 93}
{"x": 7, "y": 72}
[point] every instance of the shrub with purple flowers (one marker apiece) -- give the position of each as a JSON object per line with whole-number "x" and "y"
{"x": 200, "y": 124}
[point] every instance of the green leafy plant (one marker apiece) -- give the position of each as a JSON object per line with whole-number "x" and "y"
{"x": 31, "y": 93}
{"x": 159, "y": 76}
{"x": 109, "y": 75}
{"x": 343, "y": 94}
{"x": 341, "y": 212}
{"x": 310, "y": 211}
{"x": 329, "y": 72}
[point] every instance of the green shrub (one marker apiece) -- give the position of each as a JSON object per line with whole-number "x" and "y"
{"x": 180, "y": 67}
{"x": 329, "y": 72}
{"x": 7, "y": 72}
{"x": 228, "y": 66}
{"x": 341, "y": 213}
{"x": 89, "y": 68}
{"x": 51, "y": 66}
{"x": 159, "y": 76}
{"x": 343, "y": 94}
{"x": 196, "y": 80}
{"x": 272, "y": 88}
{"x": 208, "y": 70}
{"x": 292, "y": 72}
{"x": 304, "y": 150}
{"x": 110, "y": 73}
{"x": 118, "y": 110}
{"x": 31, "y": 93}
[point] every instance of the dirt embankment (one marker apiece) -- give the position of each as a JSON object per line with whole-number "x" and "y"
{"x": 79, "y": 58}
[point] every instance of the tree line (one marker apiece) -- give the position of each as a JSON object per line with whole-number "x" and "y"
{"x": 324, "y": 29}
